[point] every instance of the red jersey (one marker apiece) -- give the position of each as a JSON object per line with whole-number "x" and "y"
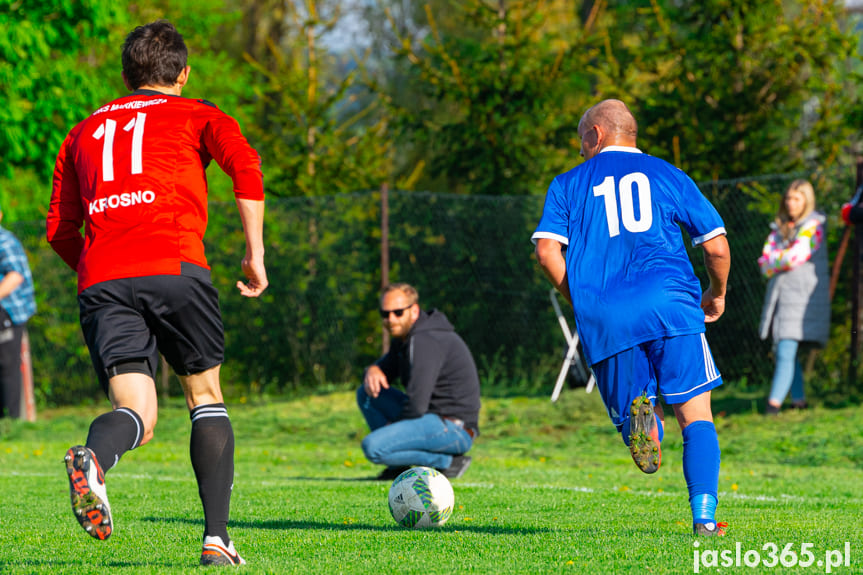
{"x": 133, "y": 174}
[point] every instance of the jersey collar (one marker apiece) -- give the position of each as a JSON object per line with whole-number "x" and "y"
{"x": 620, "y": 149}
{"x": 146, "y": 92}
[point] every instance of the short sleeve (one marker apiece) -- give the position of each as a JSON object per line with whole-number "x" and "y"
{"x": 554, "y": 223}
{"x": 697, "y": 215}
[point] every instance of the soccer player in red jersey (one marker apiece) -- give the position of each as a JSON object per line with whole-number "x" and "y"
{"x": 133, "y": 175}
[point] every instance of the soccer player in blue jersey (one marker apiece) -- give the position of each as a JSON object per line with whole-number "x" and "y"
{"x": 609, "y": 240}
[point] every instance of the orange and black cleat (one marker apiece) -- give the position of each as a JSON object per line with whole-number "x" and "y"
{"x": 87, "y": 489}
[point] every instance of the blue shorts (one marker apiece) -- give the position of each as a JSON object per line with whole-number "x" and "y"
{"x": 679, "y": 368}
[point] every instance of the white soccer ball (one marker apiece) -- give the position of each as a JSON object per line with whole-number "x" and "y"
{"x": 421, "y": 497}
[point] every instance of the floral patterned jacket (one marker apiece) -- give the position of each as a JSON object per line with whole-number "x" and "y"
{"x": 779, "y": 255}
{"x": 797, "y": 302}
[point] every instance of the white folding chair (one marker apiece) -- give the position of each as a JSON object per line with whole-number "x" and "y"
{"x": 572, "y": 360}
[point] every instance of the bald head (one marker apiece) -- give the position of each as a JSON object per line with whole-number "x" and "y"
{"x": 608, "y": 123}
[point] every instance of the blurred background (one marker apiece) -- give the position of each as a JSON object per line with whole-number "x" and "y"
{"x": 414, "y": 141}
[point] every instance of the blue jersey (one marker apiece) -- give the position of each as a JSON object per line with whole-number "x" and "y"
{"x": 619, "y": 216}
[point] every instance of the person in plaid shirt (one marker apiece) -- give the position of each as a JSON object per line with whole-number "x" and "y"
{"x": 17, "y": 305}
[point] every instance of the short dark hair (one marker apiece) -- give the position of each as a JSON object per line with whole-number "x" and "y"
{"x": 153, "y": 55}
{"x": 407, "y": 289}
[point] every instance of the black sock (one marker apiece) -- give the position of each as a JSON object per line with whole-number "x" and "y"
{"x": 114, "y": 433}
{"x": 212, "y": 451}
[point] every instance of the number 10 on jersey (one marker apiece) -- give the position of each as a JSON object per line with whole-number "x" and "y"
{"x": 624, "y": 191}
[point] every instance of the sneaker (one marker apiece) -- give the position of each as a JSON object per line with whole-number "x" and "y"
{"x": 391, "y": 472}
{"x": 644, "y": 435}
{"x": 710, "y": 529}
{"x": 215, "y": 552}
{"x": 772, "y": 409}
{"x": 459, "y": 465}
{"x": 87, "y": 489}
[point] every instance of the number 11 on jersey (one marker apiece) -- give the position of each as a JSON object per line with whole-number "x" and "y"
{"x": 106, "y": 131}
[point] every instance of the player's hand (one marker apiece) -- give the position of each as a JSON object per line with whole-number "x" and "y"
{"x": 713, "y": 306}
{"x": 374, "y": 381}
{"x": 256, "y": 274}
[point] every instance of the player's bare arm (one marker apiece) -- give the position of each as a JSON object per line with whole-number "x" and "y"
{"x": 717, "y": 259}
{"x": 10, "y": 283}
{"x": 374, "y": 380}
{"x": 252, "y": 216}
{"x": 549, "y": 254}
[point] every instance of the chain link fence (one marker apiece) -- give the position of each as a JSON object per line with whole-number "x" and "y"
{"x": 469, "y": 256}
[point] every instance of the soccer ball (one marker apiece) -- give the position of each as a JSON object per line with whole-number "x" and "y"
{"x": 421, "y": 497}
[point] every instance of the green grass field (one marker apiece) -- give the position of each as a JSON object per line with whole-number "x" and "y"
{"x": 551, "y": 490}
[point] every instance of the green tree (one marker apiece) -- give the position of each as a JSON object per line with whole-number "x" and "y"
{"x": 490, "y": 92}
{"x": 728, "y": 88}
{"x": 319, "y": 132}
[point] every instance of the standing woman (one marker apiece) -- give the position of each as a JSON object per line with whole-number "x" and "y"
{"x": 797, "y": 304}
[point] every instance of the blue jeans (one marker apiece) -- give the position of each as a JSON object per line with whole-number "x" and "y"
{"x": 788, "y": 373}
{"x": 429, "y": 440}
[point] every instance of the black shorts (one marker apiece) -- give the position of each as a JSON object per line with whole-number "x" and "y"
{"x": 128, "y": 322}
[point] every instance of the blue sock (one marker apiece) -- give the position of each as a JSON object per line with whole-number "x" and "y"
{"x": 703, "y": 508}
{"x": 701, "y": 469}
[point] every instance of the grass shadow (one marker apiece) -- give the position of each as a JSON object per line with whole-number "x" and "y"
{"x": 282, "y": 524}
{"x": 64, "y": 565}
{"x": 341, "y": 479}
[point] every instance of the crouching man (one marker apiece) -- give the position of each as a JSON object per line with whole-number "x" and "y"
{"x": 434, "y": 421}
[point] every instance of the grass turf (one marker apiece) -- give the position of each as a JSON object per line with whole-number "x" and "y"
{"x": 551, "y": 490}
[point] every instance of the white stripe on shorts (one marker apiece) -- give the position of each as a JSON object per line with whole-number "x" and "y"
{"x": 710, "y": 371}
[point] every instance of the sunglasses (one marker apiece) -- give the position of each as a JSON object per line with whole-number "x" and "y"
{"x": 385, "y": 313}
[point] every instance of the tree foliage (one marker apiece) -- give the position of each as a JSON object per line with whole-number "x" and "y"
{"x": 473, "y": 96}
{"x": 48, "y": 54}
{"x": 728, "y": 88}
{"x": 493, "y": 94}
{"x": 318, "y": 134}
{"x": 723, "y": 88}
